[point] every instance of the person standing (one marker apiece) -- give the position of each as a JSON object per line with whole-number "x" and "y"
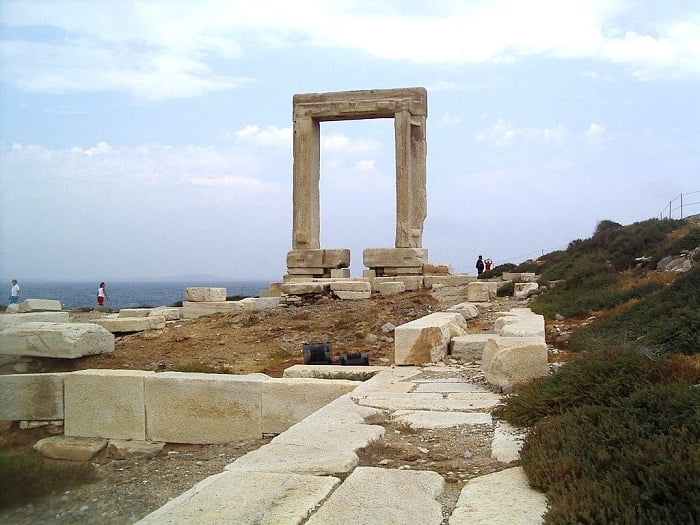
{"x": 14, "y": 292}
{"x": 488, "y": 263}
{"x": 479, "y": 266}
{"x": 101, "y": 295}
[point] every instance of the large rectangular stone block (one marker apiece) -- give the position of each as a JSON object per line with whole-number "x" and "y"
{"x": 394, "y": 257}
{"x": 469, "y": 346}
{"x": 448, "y": 280}
{"x": 134, "y": 312}
{"x": 411, "y": 282}
{"x": 481, "y": 291}
{"x": 203, "y": 408}
{"x": 255, "y": 304}
{"x": 192, "y": 310}
{"x": 318, "y": 258}
{"x": 509, "y": 361}
{"x": 304, "y": 287}
{"x": 287, "y": 401}
{"x": 106, "y": 404}
{"x": 131, "y": 324}
{"x": 7, "y": 320}
{"x": 351, "y": 286}
{"x": 63, "y": 340}
{"x": 39, "y": 305}
{"x": 391, "y": 287}
{"x": 31, "y": 397}
{"x": 204, "y": 294}
{"x": 421, "y": 341}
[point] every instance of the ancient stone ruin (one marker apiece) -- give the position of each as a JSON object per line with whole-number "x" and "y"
{"x": 409, "y": 109}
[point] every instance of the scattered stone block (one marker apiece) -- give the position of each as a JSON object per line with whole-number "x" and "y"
{"x": 455, "y": 322}
{"x": 170, "y": 313}
{"x": 481, "y": 291}
{"x": 411, "y": 282}
{"x": 256, "y": 304}
{"x": 11, "y": 319}
{"x": 340, "y": 273}
{"x": 106, "y": 404}
{"x": 351, "y": 286}
{"x": 369, "y": 274}
{"x": 305, "y": 287}
{"x": 134, "y": 312}
{"x": 521, "y": 325}
{"x": 306, "y": 272}
{"x": 407, "y": 496}
{"x": 468, "y": 310}
{"x": 394, "y": 257}
{"x": 470, "y": 346}
{"x": 431, "y": 281}
{"x": 131, "y": 324}
{"x": 201, "y": 294}
{"x": 69, "y": 448}
{"x": 39, "y": 305}
{"x": 508, "y": 361}
{"x": 500, "y": 497}
{"x": 437, "y": 269}
{"x": 287, "y": 401}
{"x": 246, "y": 498}
{"x": 129, "y": 449}
{"x": 192, "y": 310}
{"x": 523, "y": 289}
{"x": 31, "y": 397}
{"x": 62, "y": 340}
{"x": 203, "y": 408}
{"x": 422, "y": 341}
{"x": 391, "y": 287}
{"x": 318, "y": 258}
{"x": 402, "y": 270}
{"x": 352, "y": 296}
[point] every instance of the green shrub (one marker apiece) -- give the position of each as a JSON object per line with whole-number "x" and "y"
{"x": 594, "y": 378}
{"x": 507, "y": 290}
{"x": 638, "y": 462}
{"x": 26, "y": 476}
{"x": 497, "y": 271}
{"x": 615, "y": 438}
{"x": 668, "y": 323}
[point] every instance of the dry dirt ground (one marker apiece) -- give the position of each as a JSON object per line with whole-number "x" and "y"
{"x": 268, "y": 341}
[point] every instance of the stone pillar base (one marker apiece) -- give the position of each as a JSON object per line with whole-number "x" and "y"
{"x": 316, "y": 263}
{"x": 395, "y": 261}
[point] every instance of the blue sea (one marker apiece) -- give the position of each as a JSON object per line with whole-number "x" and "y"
{"x": 126, "y": 294}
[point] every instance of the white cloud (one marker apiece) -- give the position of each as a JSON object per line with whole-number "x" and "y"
{"x": 271, "y": 136}
{"x": 342, "y": 144}
{"x": 595, "y": 133}
{"x": 150, "y": 167}
{"x": 505, "y": 133}
{"x": 164, "y": 49}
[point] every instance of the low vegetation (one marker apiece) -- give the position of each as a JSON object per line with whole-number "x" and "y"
{"x": 615, "y": 433}
{"x": 26, "y": 475}
{"x": 614, "y": 438}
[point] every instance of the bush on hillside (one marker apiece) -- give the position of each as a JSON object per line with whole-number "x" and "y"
{"x": 590, "y": 290}
{"x": 497, "y": 271}
{"x": 616, "y": 438}
{"x": 667, "y": 323}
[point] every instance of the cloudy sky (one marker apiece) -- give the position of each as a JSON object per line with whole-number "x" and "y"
{"x": 151, "y": 139}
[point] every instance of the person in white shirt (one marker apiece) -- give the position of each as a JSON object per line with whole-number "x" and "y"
{"x": 101, "y": 295}
{"x": 14, "y": 292}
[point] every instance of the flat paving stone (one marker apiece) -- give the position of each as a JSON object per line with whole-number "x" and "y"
{"x": 246, "y": 498}
{"x": 372, "y": 496}
{"x": 501, "y": 498}
{"x": 429, "y": 401}
{"x": 449, "y": 386}
{"x": 431, "y": 419}
{"x": 507, "y": 442}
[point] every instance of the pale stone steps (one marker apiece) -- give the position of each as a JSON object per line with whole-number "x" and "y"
{"x": 296, "y": 478}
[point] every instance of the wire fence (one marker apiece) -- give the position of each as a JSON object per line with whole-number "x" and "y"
{"x": 682, "y": 206}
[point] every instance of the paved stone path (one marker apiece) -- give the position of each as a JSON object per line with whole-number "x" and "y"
{"x": 310, "y": 473}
